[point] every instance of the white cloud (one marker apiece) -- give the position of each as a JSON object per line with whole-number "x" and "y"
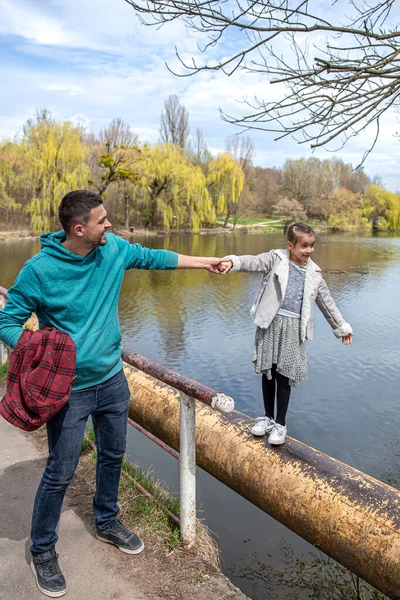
{"x": 70, "y": 90}
{"x": 92, "y": 61}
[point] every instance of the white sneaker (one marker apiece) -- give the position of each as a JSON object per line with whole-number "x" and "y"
{"x": 277, "y": 435}
{"x": 264, "y": 425}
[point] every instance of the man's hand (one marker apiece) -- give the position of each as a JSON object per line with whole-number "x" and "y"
{"x": 347, "y": 339}
{"x": 214, "y": 266}
{"x": 3, "y": 292}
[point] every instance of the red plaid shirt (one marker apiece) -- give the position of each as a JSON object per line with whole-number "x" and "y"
{"x": 40, "y": 376}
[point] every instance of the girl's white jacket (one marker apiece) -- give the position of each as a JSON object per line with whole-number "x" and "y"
{"x": 274, "y": 265}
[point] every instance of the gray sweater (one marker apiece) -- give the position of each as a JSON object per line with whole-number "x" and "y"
{"x": 291, "y": 304}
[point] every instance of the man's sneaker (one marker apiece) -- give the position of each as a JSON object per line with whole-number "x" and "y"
{"x": 48, "y": 575}
{"x": 123, "y": 538}
{"x": 277, "y": 435}
{"x": 264, "y": 425}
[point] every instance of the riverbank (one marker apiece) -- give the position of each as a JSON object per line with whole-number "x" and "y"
{"x": 93, "y": 570}
{"x": 256, "y": 228}
{"x": 16, "y": 236}
{"x": 23, "y": 234}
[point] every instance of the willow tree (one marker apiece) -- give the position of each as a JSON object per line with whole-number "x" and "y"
{"x": 393, "y": 212}
{"x": 381, "y": 208}
{"x": 56, "y": 156}
{"x": 15, "y": 183}
{"x": 343, "y": 210}
{"x": 174, "y": 190}
{"x": 225, "y": 181}
{"x": 115, "y": 158}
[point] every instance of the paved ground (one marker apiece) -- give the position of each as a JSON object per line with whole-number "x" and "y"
{"x": 93, "y": 570}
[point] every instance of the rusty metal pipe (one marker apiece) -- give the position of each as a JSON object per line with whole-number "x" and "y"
{"x": 350, "y": 516}
{"x": 153, "y": 438}
{"x": 190, "y": 387}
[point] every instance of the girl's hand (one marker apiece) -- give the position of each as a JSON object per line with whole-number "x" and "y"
{"x": 347, "y": 339}
{"x": 225, "y": 266}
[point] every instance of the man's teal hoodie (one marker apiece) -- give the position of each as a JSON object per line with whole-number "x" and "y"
{"x": 79, "y": 295}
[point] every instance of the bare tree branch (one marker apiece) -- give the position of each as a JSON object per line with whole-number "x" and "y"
{"x": 174, "y": 125}
{"x": 332, "y": 90}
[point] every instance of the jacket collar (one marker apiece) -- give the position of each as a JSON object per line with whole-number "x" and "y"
{"x": 284, "y": 255}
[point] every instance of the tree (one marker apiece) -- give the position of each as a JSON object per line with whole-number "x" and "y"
{"x": 174, "y": 127}
{"x": 289, "y": 210}
{"x": 56, "y": 157}
{"x": 116, "y": 157}
{"x": 200, "y": 155}
{"x": 312, "y": 181}
{"x": 356, "y": 181}
{"x": 242, "y": 149}
{"x": 267, "y": 185}
{"x": 225, "y": 181}
{"x": 381, "y": 208}
{"x": 174, "y": 190}
{"x": 344, "y": 210}
{"x": 243, "y": 207}
{"x": 339, "y": 67}
{"x": 15, "y": 182}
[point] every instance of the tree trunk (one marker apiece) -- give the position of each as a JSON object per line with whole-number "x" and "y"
{"x": 228, "y": 214}
{"x": 126, "y": 199}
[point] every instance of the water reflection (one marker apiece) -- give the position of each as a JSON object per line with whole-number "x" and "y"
{"x": 199, "y": 324}
{"x": 318, "y": 578}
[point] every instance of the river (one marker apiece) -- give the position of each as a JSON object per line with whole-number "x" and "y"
{"x": 199, "y": 324}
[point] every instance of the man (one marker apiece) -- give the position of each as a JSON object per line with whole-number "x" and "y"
{"x": 73, "y": 284}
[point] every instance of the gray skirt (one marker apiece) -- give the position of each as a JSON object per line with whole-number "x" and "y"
{"x": 280, "y": 344}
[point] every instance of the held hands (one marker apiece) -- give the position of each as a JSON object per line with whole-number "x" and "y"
{"x": 347, "y": 339}
{"x": 225, "y": 266}
{"x": 217, "y": 265}
{"x": 3, "y": 292}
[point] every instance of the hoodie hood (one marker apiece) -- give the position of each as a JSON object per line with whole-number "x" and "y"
{"x": 51, "y": 244}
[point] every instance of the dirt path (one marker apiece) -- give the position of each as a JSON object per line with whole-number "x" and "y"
{"x": 261, "y": 224}
{"x": 93, "y": 570}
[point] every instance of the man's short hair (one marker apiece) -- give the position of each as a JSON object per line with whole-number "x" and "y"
{"x": 75, "y": 207}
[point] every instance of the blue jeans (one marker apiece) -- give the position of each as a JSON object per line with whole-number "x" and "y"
{"x": 108, "y": 405}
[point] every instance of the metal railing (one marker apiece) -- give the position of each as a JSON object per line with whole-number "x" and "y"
{"x": 190, "y": 391}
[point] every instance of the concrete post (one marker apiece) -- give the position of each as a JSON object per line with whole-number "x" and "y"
{"x": 187, "y": 450}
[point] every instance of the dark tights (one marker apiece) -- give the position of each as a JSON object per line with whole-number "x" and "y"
{"x": 282, "y": 395}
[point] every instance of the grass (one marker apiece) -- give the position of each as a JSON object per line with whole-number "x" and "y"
{"x": 3, "y": 372}
{"x": 146, "y": 515}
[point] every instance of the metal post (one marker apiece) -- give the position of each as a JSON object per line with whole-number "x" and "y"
{"x": 4, "y": 351}
{"x": 187, "y": 470}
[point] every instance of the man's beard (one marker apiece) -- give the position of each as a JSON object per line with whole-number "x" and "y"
{"x": 98, "y": 241}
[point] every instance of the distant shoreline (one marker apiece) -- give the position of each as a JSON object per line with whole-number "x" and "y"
{"x": 23, "y": 234}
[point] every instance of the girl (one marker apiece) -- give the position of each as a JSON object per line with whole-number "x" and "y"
{"x": 283, "y": 312}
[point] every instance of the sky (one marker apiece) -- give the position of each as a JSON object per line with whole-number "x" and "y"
{"x": 90, "y": 61}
